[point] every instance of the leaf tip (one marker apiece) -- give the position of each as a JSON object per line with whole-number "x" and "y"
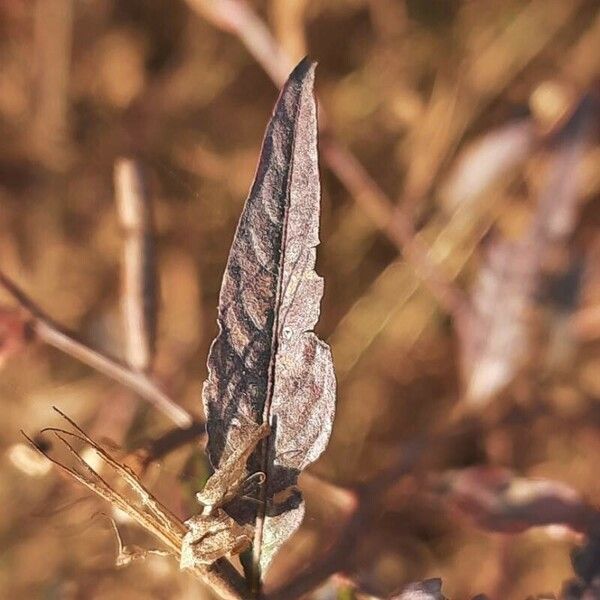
{"x": 304, "y": 71}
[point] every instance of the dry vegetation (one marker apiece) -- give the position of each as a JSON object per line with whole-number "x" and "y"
{"x": 460, "y": 250}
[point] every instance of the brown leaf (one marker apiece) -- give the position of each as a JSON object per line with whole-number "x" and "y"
{"x": 495, "y": 343}
{"x": 212, "y": 537}
{"x": 224, "y": 485}
{"x": 266, "y": 365}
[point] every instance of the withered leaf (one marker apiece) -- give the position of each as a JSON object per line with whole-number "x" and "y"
{"x": 212, "y": 537}
{"x": 496, "y": 342}
{"x": 266, "y": 365}
{"x": 224, "y": 485}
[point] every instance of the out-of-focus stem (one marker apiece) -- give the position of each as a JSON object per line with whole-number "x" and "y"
{"x": 138, "y": 273}
{"x": 55, "y": 336}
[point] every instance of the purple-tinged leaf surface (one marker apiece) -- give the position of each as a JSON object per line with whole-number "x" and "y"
{"x": 496, "y": 500}
{"x": 496, "y": 340}
{"x": 266, "y": 365}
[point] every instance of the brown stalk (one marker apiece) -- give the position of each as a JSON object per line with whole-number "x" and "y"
{"x": 138, "y": 271}
{"x": 54, "y": 335}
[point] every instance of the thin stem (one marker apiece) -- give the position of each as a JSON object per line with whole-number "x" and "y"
{"x": 138, "y": 272}
{"x": 50, "y": 333}
{"x": 170, "y": 441}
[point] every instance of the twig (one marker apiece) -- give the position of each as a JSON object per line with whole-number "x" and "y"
{"x": 238, "y": 18}
{"x": 50, "y": 333}
{"x": 138, "y": 293}
{"x": 138, "y": 273}
{"x": 170, "y": 441}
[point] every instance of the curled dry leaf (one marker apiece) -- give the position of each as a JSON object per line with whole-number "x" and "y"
{"x": 224, "y": 485}
{"x": 266, "y": 365}
{"x": 211, "y": 537}
{"x": 214, "y": 533}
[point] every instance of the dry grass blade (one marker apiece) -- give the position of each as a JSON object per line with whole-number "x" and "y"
{"x": 159, "y": 511}
{"x": 147, "y": 511}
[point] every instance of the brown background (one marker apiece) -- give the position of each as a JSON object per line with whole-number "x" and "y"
{"x": 407, "y": 87}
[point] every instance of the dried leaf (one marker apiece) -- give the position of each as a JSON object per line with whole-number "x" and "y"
{"x": 224, "y": 485}
{"x": 496, "y": 341}
{"x": 266, "y": 365}
{"x": 212, "y": 537}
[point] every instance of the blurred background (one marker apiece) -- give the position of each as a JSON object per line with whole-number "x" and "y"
{"x": 460, "y": 251}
